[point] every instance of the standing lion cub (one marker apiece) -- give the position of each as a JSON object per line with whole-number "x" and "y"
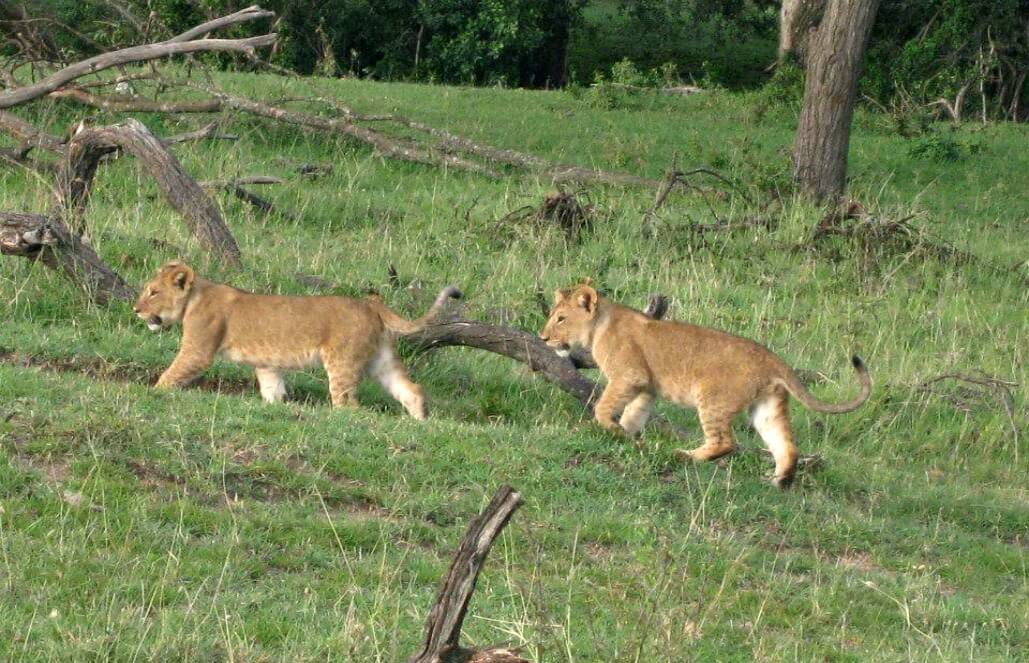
{"x": 349, "y": 337}
{"x": 718, "y": 373}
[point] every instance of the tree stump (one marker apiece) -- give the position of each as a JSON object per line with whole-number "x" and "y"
{"x": 443, "y": 626}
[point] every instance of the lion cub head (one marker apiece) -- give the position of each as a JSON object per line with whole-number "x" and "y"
{"x": 572, "y": 318}
{"x": 162, "y": 302}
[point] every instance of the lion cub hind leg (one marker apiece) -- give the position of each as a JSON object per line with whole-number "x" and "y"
{"x": 389, "y": 372}
{"x": 717, "y": 426}
{"x": 273, "y": 386}
{"x": 345, "y": 366}
{"x": 771, "y": 419}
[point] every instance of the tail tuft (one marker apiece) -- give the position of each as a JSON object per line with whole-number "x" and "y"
{"x": 451, "y": 292}
{"x": 857, "y": 362}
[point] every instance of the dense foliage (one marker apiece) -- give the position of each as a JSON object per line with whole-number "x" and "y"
{"x": 921, "y": 51}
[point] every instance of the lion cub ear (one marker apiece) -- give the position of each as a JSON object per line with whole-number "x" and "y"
{"x": 182, "y": 276}
{"x": 587, "y": 298}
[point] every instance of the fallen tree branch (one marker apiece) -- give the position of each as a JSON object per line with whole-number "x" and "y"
{"x": 127, "y": 104}
{"x": 240, "y": 181}
{"x": 29, "y": 134}
{"x": 14, "y": 97}
{"x": 235, "y": 188}
{"x": 203, "y": 133}
{"x": 383, "y": 144}
{"x": 49, "y": 241}
{"x": 251, "y": 13}
{"x": 443, "y": 625}
{"x": 88, "y": 145}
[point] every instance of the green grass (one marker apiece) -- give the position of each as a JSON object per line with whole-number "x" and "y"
{"x": 204, "y": 524}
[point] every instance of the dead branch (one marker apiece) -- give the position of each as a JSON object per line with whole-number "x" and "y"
{"x": 513, "y": 343}
{"x": 203, "y": 133}
{"x": 127, "y": 104}
{"x": 443, "y": 626}
{"x": 251, "y": 13}
{"x": 49, "y": 241}
{"x": 389, "y": 147}
{"x": 241, "y": 181}
{"x": 55, "y": 81}
{"x": 999, "y": 389}
{"x": 88, "y": 145}
{"x": 29, "y": 134}
{"x": 235, "y": 188}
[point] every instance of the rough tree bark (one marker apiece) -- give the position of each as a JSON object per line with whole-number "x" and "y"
{"x": 834, "y": 65}
{"x": 49, "y": 241}
{"x": 797, "y": 22}
{"x": 83, "y": 155}
{"x": 443, "y": 625}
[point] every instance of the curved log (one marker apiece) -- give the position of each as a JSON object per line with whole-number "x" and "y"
{"x": 515, "y": 344}
{"x": 9, "y": 98}
{"x": 88, "y": 145}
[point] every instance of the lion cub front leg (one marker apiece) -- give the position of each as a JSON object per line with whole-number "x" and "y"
{"x": 616, "y": 396}
{"x": 188, "y": 364}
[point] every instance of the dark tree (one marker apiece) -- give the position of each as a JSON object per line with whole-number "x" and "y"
{"x": 834, "y": 63}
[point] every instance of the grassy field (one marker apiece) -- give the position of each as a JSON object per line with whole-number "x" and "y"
{"x": 203, "y": 524}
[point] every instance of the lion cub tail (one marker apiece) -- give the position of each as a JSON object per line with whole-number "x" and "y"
{"x": 800, "y": 392}
{"x": 399, "y": 325}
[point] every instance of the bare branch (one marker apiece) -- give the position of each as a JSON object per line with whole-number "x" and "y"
{"x": 28, "y": 133}
{"x": 120, "y": 103}
{"x": 207, "y": 131}
{"x": 88, "y": 145}
{"x": 9, "y": 98}
{"x": 251, "y": 13}
{"x": 383, "y": 144}
{"x": 443, "y": 625}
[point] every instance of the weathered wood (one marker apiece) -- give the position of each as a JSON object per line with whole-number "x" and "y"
{"x": 513, "y": 343}
{"x": 49, "y": 241}
{"x": 20, "y": 95}
{"x": 837, "y": 52}
{"x": 83, "y": 154}
{"x": 443, "y": 625}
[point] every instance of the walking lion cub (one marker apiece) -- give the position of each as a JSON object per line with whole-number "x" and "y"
{"x": 715, "y": 372}
{"x": 349, "y": 337}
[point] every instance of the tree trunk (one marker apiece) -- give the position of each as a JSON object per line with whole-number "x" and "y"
{"x": 797, "y": 22}
{"x": 837, "y": 52}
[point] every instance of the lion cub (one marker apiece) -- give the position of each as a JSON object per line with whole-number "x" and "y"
{"x": 718, "y": 373}
{"x": 349, "y": 337}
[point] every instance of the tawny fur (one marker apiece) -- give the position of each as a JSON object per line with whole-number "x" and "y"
{"x": 351, "y": 338}
{"x": 719, "y": 374}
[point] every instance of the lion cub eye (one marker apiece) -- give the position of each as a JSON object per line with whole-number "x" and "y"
{"x": 560, "y": 319}
{"x": 153, "y": 293}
